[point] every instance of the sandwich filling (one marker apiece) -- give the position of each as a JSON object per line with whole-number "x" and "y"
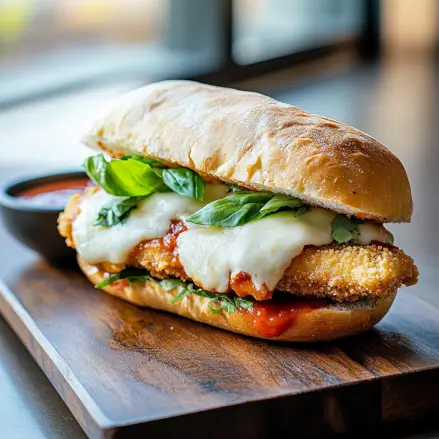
{"x": 216, "y": 258}
{"x": 226, "y": 240}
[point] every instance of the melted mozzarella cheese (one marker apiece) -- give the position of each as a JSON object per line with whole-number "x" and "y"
{"x": 264, "y": 249}
{"x": 151, "y": 219}
{"x": 210, "y": 255}
{"x": 372, "y": 232}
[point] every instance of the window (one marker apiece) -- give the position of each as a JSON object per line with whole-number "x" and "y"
{"x": 265, "y": 29}
{"x": 50, "y": 45}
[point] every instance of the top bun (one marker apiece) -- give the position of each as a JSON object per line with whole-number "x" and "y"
{"x": 254, "y": 141}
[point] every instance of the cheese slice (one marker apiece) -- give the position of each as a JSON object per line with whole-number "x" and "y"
{"x": 151, "y": 219}
{"x": 264, "y": 249}
{"x": 210, "y": 255}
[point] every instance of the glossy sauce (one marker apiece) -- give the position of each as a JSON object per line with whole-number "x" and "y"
{"x": 119, "y": 285}
{"x": 243, "y": 286}
{"x": 170, "y": 239}
{"x": 271, "y": 318}
{"x": 56, "y": 193}
{"x": 163, "y": 248}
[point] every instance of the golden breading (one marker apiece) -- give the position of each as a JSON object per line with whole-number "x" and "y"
{"x": 347, "y": 272}
{"x": 340, "y": 272}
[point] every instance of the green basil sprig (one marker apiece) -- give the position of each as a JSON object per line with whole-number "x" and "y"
{"x": 124, "y": 178}
{"x": 217, "y": 302}
{"x": 345, "y": 229}
{"x": 116, "y": 211}
{"x": 392, "y": 238}
{"x": 243, "y": 207}
{"x": 134, "y": 176}
{"x": 151, "y": 162}
{"x": 185, "y": 182}
{"x": 130, "y": 274}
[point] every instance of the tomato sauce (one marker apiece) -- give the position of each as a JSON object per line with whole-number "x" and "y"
{"x": 243, "y": 286}
{"x": 119, "y": 285}
{"x": 170, "y": 239}
{"x": 271, "y": 318}
{"x": 56, "y": 193}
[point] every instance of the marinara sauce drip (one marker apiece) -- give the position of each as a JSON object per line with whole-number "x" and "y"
{"x": 271, "y": 318}
{"x": 243, "y": 286}
{"x": 161, "y": 253}
{"x": 170, "y": 239}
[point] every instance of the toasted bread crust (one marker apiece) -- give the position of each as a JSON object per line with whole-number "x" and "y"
{"x": 259, "y": 143}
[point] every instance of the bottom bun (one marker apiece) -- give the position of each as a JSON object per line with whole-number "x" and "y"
{"x": 327, "y": 322}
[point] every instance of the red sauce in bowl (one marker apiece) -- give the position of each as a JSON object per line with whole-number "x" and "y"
{"x": 54, "y": 194}
{"x": 271, "y": 318}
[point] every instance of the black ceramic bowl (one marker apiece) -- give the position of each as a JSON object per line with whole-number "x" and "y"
{"x": 34, "y": 225}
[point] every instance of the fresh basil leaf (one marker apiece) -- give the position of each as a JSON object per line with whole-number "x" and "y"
{"x": 217, "y": 302}
{"x": 151, "y": 162}
{"x": 170, "y": 284}
{"x": 108, "y": 281}
{"x": 228, "y": 305}
{"x": 214, "y": 306}
{"x": 130, "y": 274}
{"x": 185, "y": 182}
{"x": 116, "y": 211}
{"x": 343, "y": 221}
{"x": 342, "y": 235}
{"x": 97, "y": 169}
{"x": 279, "y": 202}
{"x": 231, "y": 211}
{"x": 139, "y": 278}
{"x": 392, "y": 238}
{"x": 243, "y": 207}
{"x": 243, "y": 303}
{"x": 180, "y": 296}
{"x": 124, "y": 178}
{"x": 138, "y": 179}
{"x": 345, "y": 229}
{"x": 159, "y": 172}
{"x": 202, "y": 293}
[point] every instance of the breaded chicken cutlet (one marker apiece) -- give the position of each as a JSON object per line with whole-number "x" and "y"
{"x": 339, "y": 272}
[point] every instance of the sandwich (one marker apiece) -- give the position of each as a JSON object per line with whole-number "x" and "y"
{"x": 236, "y": 210}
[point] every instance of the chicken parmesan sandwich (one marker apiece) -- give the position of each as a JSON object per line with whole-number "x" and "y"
{"x": 233, "y": 209}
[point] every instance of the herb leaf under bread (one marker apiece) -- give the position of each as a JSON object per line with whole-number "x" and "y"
{"x": 132, "y": 275}
{"x": 216, "y": 304}
{"x": 244, "y": 207}
{"x": 185, "y": 182}
{"x": 345, "y": 229}
{"x": 151, "y": 162}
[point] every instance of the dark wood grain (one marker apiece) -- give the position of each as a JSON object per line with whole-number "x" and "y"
{"x": 122, "y": 369}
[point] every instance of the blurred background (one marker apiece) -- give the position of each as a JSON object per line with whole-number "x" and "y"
{"x": 62, "y": 60}
{"x": 369, "y": 63}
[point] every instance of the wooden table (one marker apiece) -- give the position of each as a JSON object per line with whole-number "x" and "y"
{"x": 395, "y": 102}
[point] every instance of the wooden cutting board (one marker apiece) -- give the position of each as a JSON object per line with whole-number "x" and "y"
{"x": 128, "y": 372}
